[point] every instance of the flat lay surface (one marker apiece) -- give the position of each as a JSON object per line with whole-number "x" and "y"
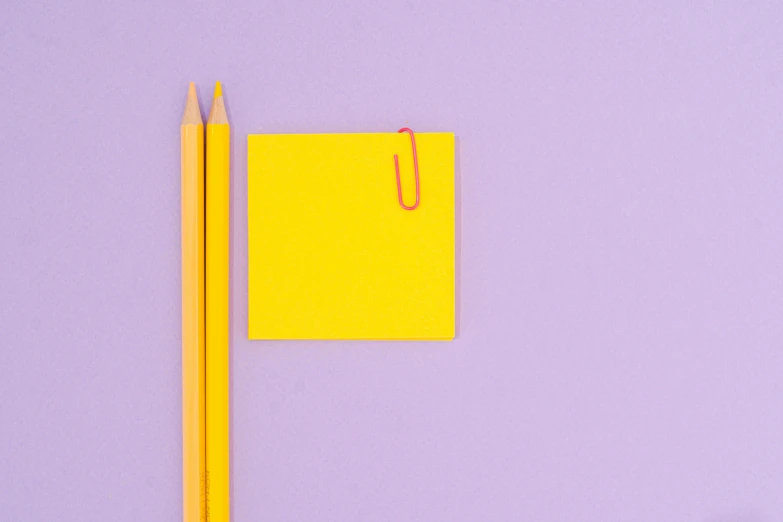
{"x": 619, "y": 235}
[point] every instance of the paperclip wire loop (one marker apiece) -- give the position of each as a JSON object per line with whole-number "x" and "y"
{"x": 415, "y": 171}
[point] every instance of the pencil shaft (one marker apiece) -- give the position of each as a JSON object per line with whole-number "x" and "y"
{"x": 193, "y": 334}
{"x": 217, "y": 314}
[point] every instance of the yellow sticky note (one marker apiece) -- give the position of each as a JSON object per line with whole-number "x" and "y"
{"x": 332, "y": 254}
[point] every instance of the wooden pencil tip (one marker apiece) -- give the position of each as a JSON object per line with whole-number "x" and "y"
{"x": 192, "y": 115}
{"x": 217, "y": 114}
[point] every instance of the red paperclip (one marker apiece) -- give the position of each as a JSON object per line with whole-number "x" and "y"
{"x": 415, "y": 171}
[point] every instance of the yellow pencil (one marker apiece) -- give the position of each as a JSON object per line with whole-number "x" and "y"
{"x": 217, "y": 215}
{"x": 193, "y": 392}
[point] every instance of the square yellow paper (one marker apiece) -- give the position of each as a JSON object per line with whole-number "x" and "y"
{"x": 332, "y": 255}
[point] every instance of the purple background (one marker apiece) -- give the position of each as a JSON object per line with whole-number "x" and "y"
{"x": 619, "y": 354}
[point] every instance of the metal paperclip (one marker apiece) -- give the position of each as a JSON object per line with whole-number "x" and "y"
{"x": 415, "y": 171}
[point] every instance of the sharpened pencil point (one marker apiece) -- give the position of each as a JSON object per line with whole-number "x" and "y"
{"x": 217, "y": 114}
{"x": 192, "y": 115}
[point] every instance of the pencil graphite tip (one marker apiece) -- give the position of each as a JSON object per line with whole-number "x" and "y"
{"x": 192, "y": 114}
{"x": 217, "y": 114}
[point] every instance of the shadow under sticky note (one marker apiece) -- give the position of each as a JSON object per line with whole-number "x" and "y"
{"x": 332, "y": 255}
